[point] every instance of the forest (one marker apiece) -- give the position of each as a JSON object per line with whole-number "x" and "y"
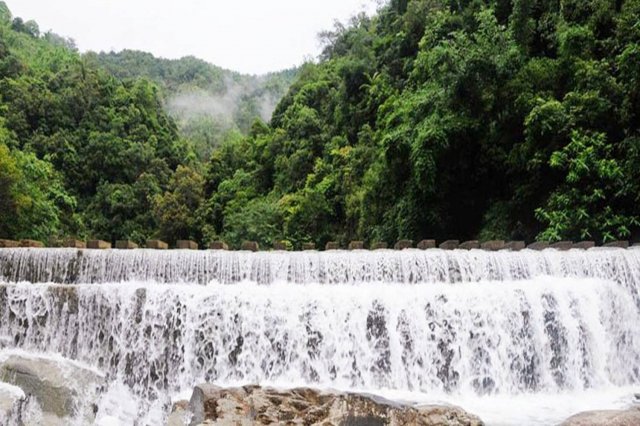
{"x": 468, "y": 119}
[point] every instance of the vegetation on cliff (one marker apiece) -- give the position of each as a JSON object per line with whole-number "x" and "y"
{"x": 435, "y": 118}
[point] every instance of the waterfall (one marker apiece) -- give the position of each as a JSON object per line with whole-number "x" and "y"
{"x": 434, "y": 323}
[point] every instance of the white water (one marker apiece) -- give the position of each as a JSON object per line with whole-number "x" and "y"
{"x": 517, "y": 338}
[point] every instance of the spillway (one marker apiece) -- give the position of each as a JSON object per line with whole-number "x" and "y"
{"x": 423, "y": 326}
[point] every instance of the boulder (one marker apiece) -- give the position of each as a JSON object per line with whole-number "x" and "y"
{"x": 379, "y": 245}
{"x": 403, "y": 245}
{"x": 308, "y": 246}
{"x": 71, "y": 243}
{"x": 538, "y": 246}
{"x": 282, "y": 245}
{"x": 494, "y": 245}
{"x": 62, "y": 388}
{"x": 31, "y": 244}
{"x": 9, "y": 244}
{"x": 629, "y": 417}
{"x": 449, "y": 245}
{"x": 514, "y": 245}
{"x": 617, "y": 244}
{"x": 126, "y": 245}
{"x": 332, "y": 245}
{"x": 427, "y": 244}
{"x": 249, "y": 246}
{"x": 12, "y": 402}
{"x": 251, "y": 405}
{"x": 356, "y": 245}
{"x": 186, "y": 245}
{"x": 98, "y": 245}
{"x": 218, "y": 245}
{"x": 584, "y": 245}
{"x": 562, "y": 245}
{"x": 157, "y": 245}
{"x": 470, "y": 245}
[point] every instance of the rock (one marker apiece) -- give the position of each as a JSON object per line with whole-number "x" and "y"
{"x": 514, "y": 245}
{"x": 249, "y": 246}
{"x": 470, "y": 245}
{"x": 12, "y": 402}
{"x": 332, "y": 245}
{"x": 62, "y": 388}
{"x": 403, "y": 245}
{"x": 356, "y": 245}
{"x": 539, "y": 246}
{"x": 157, "y": 245}
{"x": 218, "y": 245}
{"x": 562, "y": 245}
{"x": 449, "y": 245}
{"x": 186, "y": 245}
{"x": 9, "y": 244}
{"x": 251, "y": 405}
{"x": 494, "y": 245}
{"x": 180, "y": 414}
{"x": 31, "y": 243}
{"x": 584, "y": 245}
{"x": 629, "y": 417}
{"x": 379, "y": 245}
{"x": 308, "y": 246}
{"x": 617, "y": 244}
{"x": 427, "y": 244}
{"x": 282, "y": 245}
{"x": 98, "y": 245}
{"x": 126, "y": 245}
{"x": 71, "y": 243}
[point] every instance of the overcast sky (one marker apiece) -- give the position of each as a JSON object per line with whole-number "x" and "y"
{"x": 251, "y": 36}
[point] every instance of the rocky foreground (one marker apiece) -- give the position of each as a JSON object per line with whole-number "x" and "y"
{"x": 45, "y": 391}
{"x": 254, "y": 405}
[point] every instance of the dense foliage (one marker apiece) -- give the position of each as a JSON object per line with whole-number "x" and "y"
{"x": 435, "y": 118}
{"x": 207, "y": 102}
{"x": 81, "y": 153}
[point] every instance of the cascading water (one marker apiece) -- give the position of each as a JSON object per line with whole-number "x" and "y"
{"x": 469, "y": 327}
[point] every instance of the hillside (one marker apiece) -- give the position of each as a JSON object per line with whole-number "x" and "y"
{"x": 442, "y": 119}
{"x": 206, "y": 101}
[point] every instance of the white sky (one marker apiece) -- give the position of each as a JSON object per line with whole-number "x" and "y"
{"x": 251, "y": 36}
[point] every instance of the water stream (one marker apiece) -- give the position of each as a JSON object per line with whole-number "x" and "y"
{"x": 517, "y": 338}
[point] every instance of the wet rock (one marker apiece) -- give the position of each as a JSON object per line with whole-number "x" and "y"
{"x": 539, "y": 245}
{"x": 71, "y": 243}
{"x": 218, "y": 245}
{"x": 12, "y": 402}
{"x": 403, "y": 245}
{"x": 253, "y": 405}
{"x": 427, "y": 244}
{"x": 186, "y": 245}
{"x": 9, "y": 244}
{"x": 584, "y": 245}
{"x": 157, "y": 245}
{"x": 356, "y": 245}
{"x": 62, "y": 388}
{"x": 617, "y": 244}
{"x": 379, "y": 245}
{"x": 562, "y": 245}
{"x": 514, "y": 245}
{"x": 629, "y": 417}
{"x": 332, "y": 245}
{"x": 449, "y": 245}
{"x": 180, "y": 414}
{"x": 470, "y": 245}
{"x": 126, "y": 245}
{"x": 493, "y": 245}
{"x": 98, "y": 245}
{"x": 31, "y": 243}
